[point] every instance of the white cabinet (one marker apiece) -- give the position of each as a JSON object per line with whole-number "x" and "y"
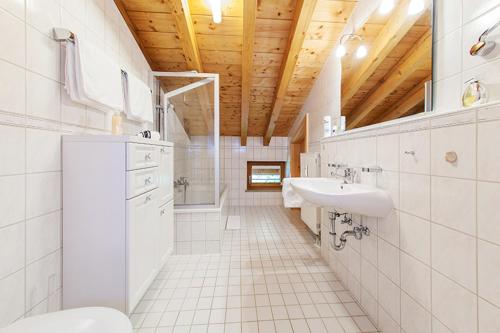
{"x": 143, "y": 228}
{"x": 166, "y": 174}
{"x": 166, "y": 231}
{"x": 117, "y": 218}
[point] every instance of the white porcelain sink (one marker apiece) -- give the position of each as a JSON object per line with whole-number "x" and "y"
{"x": 352, "y": 198}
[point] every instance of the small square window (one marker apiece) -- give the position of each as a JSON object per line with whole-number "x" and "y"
{"x": 265, "y": 175}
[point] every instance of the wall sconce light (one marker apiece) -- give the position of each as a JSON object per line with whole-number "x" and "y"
{"x": 341, "y": 51}
{"x": 385, "y": 6}
{"x": 416, "y": 6}
{"x": 484, "y": 46}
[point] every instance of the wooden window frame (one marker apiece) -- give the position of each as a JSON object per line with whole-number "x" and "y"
{"x": 265, "y": 187}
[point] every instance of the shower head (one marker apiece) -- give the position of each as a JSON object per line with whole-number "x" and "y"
{"x": 483, "y": 46}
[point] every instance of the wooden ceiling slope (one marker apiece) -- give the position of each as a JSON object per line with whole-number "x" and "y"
{"x": 323, "y": 22}
{"x": 388, "y": 83}
{"x": 172, "y": 42}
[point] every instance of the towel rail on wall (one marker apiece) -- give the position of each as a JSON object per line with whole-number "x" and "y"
{"x": 63, "y": 35}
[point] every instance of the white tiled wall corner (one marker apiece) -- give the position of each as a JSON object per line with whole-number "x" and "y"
{"x": 34, "y": 113}
{"x": 233, "y": 164}
{"x": 435, "y": 258}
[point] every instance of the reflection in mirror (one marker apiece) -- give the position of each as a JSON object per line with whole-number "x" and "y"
{"x": 386, "y": 63}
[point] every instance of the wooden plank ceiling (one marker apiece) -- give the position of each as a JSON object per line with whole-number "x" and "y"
{"x": 162, "y": 37}
{"x": 388, "y": 83}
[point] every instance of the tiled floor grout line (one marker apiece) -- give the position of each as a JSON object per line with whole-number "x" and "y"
{"x": 269, "y": 267}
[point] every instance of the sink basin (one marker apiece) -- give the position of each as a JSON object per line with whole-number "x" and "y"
{"x": 352, "y": 198}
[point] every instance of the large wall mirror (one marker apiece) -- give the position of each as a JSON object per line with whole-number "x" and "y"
{"x": 387, "y": 64}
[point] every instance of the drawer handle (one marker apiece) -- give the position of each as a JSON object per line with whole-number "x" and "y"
{"x": 148, "y": 198}
{"x": 147, "y": 157}
{"x": 162, "y": 212}
{"x": 147, "y": 181}
{"x": 410, "y": 152}
{"x": 162, "y": 150}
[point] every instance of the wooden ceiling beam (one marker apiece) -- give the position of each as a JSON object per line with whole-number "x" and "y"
{"x": 189, "y": 44}
{"x": 410, "y": 63}
{"x": 389, "y": 37}
{"x": 304, "y": 10}
{"x": 249, "y": 17}
{"x": 411, "y": 99}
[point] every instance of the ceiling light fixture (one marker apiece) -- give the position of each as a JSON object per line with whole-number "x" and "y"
{"x": 341, "y": 50}
{"x": 416, "y": 6}
{"x": 216, "y": 8}
{"x": 385, "y": 6}
{"x": 361, "y": 52}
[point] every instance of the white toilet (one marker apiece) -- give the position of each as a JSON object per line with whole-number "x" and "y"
{"x": 81, "y": 320}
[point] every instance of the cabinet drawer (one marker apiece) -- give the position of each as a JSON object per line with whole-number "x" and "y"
{"x": 140, "y": 156}
{"x": 141, "y": 181}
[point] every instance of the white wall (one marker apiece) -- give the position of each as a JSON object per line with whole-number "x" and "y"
{"x": 233, "y": 163}
{"x": 34, "y": 113}
{"x": 323, "y": 100}
{"x": 458, "y": 26}
{"x": 432, "y": 265}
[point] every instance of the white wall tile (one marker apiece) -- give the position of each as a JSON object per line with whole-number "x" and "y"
{"x": 388, "y": 260}
{"x": 416, "y": 280}
{"x": 456, "y": 262}
{"x": 43, "y": 277}
{"x": 12, "y": 199}
{"x": 447, "y": 16}
{"x": 458, "y": 139}
{"x": 12, "y": 88}
{"x": 418, "y": 143}
{"x": 43, "y": 193}
{"x": 43, "y": 150}
{"x": 447, "y": 94}
{"x": 12, "y": 296}
{"x": 43, "y": 98}
{"x": 473, "y": 9}
{"x": 453, "y": 203}
{"x": 489, "y": 317}
{"x": 14, "y": 7}
{"x": 389, "y": 297}
{"x": 414, "y": 318}
{"x": 446, "y": 60}
{"x": 488, "y": 154}
{"x": 43, "y": 235}
{"x": 43, "y": 54}
{"x": 454, "y": 305}
{"x": 12, "y": 245}
{"x": 488, "y": 272}
{"x": 15, "y": 39}
{"x": 44, "y": 16}
{"x": 488, "y": 222}
{"x": 12, "y": 150}
{"x": 415, "y": 195}
{"x": 415, "y": 237}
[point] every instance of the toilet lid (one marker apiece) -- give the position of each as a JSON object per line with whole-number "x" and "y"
{"x": 81, "y": 320}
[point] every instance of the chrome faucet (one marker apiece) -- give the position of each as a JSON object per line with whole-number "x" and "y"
{"x": 182, "y": 181}
{"x": 349, "y": 175}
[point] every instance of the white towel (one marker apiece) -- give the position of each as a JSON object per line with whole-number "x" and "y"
{"x": 291, "y": 199}
{"x": 138, "y": 99}
{"x": 91, "y": 77}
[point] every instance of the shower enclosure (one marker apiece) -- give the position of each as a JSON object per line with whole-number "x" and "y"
{"x": 190, "y": 119}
